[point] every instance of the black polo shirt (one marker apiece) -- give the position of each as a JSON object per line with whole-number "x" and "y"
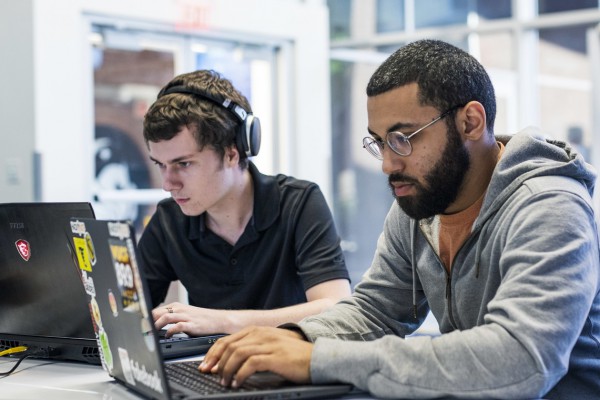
{"x": 289, "y": 245}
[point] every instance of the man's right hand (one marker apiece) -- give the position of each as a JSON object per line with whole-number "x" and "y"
{"x": 195, "y": 321}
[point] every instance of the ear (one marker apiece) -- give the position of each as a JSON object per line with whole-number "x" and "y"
{"x": 232, "y": 156}
{"x": 473, "y": 121}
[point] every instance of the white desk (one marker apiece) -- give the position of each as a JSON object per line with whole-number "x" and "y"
{"x": 52, "y": 380}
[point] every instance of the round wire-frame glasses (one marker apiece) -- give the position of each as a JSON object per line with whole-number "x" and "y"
{"x": 398, "y": 141}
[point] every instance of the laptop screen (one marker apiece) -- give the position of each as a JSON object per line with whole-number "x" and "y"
{"x": 42, "y": 302}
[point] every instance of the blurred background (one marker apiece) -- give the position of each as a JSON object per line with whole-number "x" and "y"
{"x": 77, "y": 76}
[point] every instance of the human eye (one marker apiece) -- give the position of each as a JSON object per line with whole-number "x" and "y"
{"x": 159, "y": 165}
{"x": 184, "y": 164}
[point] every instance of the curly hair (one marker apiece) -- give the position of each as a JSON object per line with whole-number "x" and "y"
{"x": 446, "y": 76}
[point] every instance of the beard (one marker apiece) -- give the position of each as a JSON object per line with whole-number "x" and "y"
{"x": 443, "y": 182}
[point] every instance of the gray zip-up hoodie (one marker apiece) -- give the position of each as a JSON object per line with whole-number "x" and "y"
{"x": 519, "y": 312}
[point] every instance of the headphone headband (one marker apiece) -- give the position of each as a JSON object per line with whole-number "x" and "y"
{"x": 238, "y": 111}
{"x": 247, "y": 136}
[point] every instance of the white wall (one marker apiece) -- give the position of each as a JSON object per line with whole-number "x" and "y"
{"x": 50, "y": 69}
{"x": 17, "y": 116}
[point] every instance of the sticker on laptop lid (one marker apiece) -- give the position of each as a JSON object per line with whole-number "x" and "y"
{"x": 137, "y": 279}
{"x": 112, "y": 301}
{"x": 94, "y": 324}
{"x": 126, "y": 366}
{"x": 119, "y": 230}
{"x": 88, "y": 284}
{"x": 96, "y": 312}
{"x": 125, "y": 279}
{"x": 136, "y": 372}
{"x": 107, "y": 358}
{"x": 78, "y": 227}
{"x": 23, "y": 249}
{"x": 86, "y": 253}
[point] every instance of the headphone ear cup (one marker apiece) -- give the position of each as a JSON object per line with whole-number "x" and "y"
{"x": 254, "y": 135}
{"x": 248, "y": 137}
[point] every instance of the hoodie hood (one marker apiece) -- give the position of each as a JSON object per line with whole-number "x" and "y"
{"x": 552, "y": 157}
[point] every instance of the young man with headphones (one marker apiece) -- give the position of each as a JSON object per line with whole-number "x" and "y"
{"x": 250, "y": 249}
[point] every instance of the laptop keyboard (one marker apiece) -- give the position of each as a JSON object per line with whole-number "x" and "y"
{"x": 187, "y": 375}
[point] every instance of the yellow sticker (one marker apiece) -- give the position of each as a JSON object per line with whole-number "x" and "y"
{"x": 89, "y": 247}
{"x": 82, "y": 254}
{"x": 96, "y": 312}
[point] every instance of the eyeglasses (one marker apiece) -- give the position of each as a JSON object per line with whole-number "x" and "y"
{"x": 398, "y": 141}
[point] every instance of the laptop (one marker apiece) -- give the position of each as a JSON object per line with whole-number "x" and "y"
{"x": 118, "y": 299}
{"x": 176, "y": 346}
{"x": 42, "y": 302}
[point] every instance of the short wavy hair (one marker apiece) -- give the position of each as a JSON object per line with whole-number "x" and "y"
{"x": 211, "y": 124}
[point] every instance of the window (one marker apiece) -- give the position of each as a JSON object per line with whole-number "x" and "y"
{"x": 565, "y": 86}
{"x": 543, "y": 75}
{"x": 553, "y": 6}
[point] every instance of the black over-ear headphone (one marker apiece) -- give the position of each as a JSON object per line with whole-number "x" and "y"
{"x": 247, "y": 138}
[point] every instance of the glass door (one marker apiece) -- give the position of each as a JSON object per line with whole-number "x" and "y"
{"x": 129, "y": 70}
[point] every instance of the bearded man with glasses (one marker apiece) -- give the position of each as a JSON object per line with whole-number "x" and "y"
{"x": 495, "y": 235}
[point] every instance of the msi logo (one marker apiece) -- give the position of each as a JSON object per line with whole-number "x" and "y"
{"x": 23, "y": 249}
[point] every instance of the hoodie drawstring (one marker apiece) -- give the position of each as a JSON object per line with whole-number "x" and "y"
{"x": 478, "y": 255}
{"x": 413, "y": 233}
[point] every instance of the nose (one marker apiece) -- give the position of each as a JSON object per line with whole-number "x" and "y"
{"x": 170, "y": 180}
{"x": 391, "y": 162}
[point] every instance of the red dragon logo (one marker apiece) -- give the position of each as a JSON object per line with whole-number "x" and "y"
{"x": 23, "y": 249}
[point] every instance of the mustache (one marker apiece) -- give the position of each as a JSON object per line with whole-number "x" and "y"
{"x": 398, "y": 177}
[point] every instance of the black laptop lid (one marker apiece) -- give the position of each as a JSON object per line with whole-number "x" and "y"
{"x": 42, "y": 302}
